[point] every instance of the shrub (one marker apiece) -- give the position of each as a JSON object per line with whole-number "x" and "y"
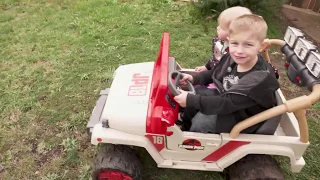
{"x": 212, "y": 8}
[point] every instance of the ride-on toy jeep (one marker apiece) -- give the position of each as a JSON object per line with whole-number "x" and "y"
{"x": 139, "y": 110}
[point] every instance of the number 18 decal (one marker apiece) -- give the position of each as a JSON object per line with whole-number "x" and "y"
{"x": 157, "y": 141}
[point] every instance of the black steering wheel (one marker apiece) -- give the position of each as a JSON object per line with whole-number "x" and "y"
{"x": 173, "y": 86}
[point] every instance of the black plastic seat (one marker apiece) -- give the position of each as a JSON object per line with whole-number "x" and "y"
{"x": 269, "y": 127}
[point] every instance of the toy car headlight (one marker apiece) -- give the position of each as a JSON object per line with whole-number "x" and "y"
{"x": 302, "y": 48}
{"x": 292, "y": 35}
{"x": 313, "y": 64}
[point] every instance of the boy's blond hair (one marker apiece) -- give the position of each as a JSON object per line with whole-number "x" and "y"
{"x": 230, "y": 14}
{"x": 249, "y": 23}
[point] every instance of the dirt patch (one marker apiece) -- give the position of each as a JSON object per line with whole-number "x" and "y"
{"x": 46, "y": 65}
{"x": 34, "y": 146}
{"x": 14, "y": 116}
{"x": 84, "y": 145}
{"x": 289, "y": 89}
{"x": 48, "y": 156}
{"x": 305, "y": 20}
{"x": 43, "y": 156}
{"x": 1, "y": 168}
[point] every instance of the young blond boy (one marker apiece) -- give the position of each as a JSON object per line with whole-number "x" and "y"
{"x": 220, "y": 42}
{"x": 246, "y": 83}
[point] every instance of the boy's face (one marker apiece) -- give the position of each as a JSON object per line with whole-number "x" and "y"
{"x": 223, "y": 33}
{"x": 244, "y": 47}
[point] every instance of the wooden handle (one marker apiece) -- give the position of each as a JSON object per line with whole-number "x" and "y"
{"x": 265, "y": 55}
{"x": 270, "y": 42}
{"x": 314, "y": 96}
{"x": 303, "y": 125}
{"x": 295, "y": 104}
{"x": 276, "y": 42}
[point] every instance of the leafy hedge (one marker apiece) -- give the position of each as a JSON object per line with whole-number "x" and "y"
{"x": 212, "y": 8}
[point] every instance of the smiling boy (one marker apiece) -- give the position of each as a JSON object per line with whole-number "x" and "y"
{"x": 245, "y": 82}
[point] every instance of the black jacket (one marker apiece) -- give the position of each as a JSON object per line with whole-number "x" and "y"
{"x": 254, "y": 93}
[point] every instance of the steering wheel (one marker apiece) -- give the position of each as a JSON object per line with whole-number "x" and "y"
{"x": 173, "y": 86}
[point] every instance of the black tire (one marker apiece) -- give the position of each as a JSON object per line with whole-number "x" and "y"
{"x": 117, "y": 158}
{"x": 255, "y": 167}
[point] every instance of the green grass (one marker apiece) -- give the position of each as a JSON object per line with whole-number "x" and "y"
{"x": 55, "y": 58}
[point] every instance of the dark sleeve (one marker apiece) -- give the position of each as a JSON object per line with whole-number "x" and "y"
{"x": 214, "y": 41}
{"x": 274, "y": 69}
{"x": 219, "y": 104}
{"x": 203, "y": 78}
{"x": 208, "y": 64}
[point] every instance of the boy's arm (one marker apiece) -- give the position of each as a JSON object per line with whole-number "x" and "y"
{"x": 203, "y": 78}
{"x": 219, "y": 104}
{"x": 208, "y": 64}
{"x": 214, "y": 41}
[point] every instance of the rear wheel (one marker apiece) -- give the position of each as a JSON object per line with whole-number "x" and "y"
{"x": 254, "y": 167}
{"x": 116, "y": 162}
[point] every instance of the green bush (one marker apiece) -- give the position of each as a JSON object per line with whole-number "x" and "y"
{"x": 212, "y": 8}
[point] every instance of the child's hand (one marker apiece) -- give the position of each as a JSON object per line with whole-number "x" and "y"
{"x": 201, "y": 68}
{"x": 185, "y": 78}
{"x": 181, "y": 98}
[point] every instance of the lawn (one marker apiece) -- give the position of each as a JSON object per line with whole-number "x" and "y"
{"x": 55, "y": 57}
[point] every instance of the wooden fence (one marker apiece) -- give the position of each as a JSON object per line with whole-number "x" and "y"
{"x": 313, "y": 5}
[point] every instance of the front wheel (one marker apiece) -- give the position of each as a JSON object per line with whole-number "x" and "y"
{"x": 255, "y": 167}
{"x": 116, "y": 162}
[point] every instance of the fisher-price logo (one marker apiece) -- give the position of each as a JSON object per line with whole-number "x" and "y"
{"x": 191, "y": 145}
